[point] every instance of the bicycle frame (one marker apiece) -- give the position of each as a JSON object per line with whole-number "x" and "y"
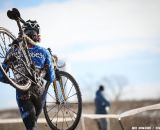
{"x": 22, "y": 45}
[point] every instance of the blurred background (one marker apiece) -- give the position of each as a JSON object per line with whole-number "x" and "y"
{"x": 111, "y": 42}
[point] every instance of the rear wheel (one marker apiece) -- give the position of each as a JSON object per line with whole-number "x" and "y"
{"x": 8, "y": 70}
{"x": 63, "y": 113}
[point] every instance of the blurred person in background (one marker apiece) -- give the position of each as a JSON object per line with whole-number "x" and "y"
{"x": 102, "y": 105}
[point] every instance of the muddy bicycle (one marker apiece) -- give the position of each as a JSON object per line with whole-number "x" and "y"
{"x": 63, "y": 105}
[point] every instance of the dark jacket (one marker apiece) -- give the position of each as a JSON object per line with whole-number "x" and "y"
{"x": 101, "y": 103}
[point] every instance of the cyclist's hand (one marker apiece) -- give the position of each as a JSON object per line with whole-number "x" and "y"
{"x": 55, "y": 57}
{"x": 107, "y": 108}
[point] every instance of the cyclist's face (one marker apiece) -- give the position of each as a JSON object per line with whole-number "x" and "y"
{"x": 33, "y": 35}
{"x": 37, "y": 38}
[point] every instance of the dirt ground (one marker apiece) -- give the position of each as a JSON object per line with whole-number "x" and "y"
{"x": 149, "y": 120}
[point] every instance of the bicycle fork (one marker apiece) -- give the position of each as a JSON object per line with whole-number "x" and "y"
{"x": 62, "y": 89}
{"x": 56, "y": 90}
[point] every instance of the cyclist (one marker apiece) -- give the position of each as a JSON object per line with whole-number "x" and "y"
{"x": 31, "y": 102}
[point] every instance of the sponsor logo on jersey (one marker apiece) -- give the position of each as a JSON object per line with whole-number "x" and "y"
{"x": 37, "y": 55}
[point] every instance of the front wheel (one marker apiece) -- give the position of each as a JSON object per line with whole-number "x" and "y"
{"x": 63, "y": 113}
{"x": 6, "y": 39}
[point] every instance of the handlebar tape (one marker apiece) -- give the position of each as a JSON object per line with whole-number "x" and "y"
{"x": 13, "y": 14}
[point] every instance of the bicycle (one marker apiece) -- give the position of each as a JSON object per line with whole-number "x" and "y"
{"x": 63, "y": 105}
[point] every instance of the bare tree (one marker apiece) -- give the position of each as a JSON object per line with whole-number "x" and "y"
{"x": 115, "y": 86}
{"x": 89, "y": 82}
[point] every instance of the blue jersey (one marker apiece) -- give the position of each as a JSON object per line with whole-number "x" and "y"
{"x": 40, "y": 57}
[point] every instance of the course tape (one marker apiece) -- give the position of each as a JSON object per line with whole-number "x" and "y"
{"x": 92, "y": 116}
{"x": 98, "y": 116}
{"x": 139, "y": 110}
{"x": 40, "y": 120}
{"x": 119, "y": 116}
{"x": 124, "y": 114}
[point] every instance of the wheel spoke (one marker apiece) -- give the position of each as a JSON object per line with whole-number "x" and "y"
{"x": 65, "y": 83}
{"x": 57, "y": 115}
{"x": 56, "y": 112}
{"x": 3, "y": 55}
{"x": 71, "y": 116}
{"x": 51, "y": 108}
{"x": 70, "y": 110}
{"x": 5, "y": 43}
{"x": 3, "y": 40}
{"x": 71, "y": 96}
{"x": 63, "y": 119}
{"x": 69, "y": 91}
{"x": 66, "y": 122}
{"x": 51, "y": 96}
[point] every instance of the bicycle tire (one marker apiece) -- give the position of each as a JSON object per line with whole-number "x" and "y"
{"x": 6, "y": 38}
{"x": 49, "y": 115}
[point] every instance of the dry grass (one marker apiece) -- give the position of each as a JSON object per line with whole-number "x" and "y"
{"x": 149, "y": 118}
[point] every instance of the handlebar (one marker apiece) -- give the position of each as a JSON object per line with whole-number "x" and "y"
{"x": 57, "y": 63}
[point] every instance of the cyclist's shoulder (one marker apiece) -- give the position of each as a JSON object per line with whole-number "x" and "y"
{"x": 38, "y": 47}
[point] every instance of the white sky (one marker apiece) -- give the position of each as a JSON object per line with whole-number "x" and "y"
{"x": 101, "y": 32}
